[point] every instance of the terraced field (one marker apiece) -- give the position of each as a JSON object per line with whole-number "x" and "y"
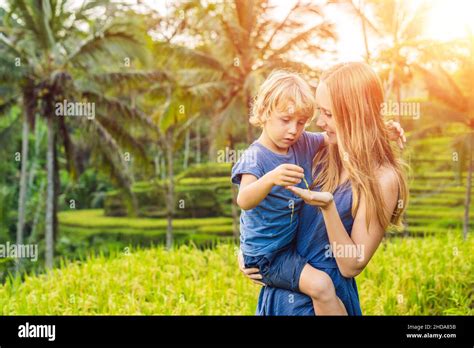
{"x": 437, "y": 195}
{"x": 437, "y": 189}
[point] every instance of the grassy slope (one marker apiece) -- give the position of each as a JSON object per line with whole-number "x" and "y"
{"x": 431, "y": 275}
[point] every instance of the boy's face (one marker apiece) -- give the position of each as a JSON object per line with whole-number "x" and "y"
{"x": 284, "y": 128}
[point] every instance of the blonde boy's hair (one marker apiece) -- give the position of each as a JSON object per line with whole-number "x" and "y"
{"x": 282, "y": 92}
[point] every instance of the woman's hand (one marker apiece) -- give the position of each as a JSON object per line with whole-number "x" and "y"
{"x": 396, "y": 133}
{"x": 251, "y": 273}
{"x": 319, "y": 199}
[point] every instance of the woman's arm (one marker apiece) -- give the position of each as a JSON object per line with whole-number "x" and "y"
{"x": 362, "y": 240}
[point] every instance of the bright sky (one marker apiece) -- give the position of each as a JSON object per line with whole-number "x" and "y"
{"x": 448, "y": 19}
{"x": 451, "y": 19}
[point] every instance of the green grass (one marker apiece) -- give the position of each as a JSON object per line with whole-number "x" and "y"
{"x": 85, "y": 231}
{"x": 420, "y": 276}
{"x": 154, "y": 281}
{"x": 425, "y": 276}
{"x": 425, "y": 188}
{"x": 94, "y": 218}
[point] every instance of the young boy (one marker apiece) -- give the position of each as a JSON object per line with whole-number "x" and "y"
{"x": 282, "y": 156}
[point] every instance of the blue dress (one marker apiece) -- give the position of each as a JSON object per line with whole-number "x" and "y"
{"x": 313, "y": 244}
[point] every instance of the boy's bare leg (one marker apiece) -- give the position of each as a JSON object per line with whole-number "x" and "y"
{"x": 319, "y": 286}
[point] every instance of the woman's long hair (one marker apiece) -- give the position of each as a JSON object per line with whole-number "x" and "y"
{"x": 362, "y": 145}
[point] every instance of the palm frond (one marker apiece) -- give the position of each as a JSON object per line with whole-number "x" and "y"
{"x": 441, "y": 86}
{"x": 7, "y": 104}
{"x": 208, "y": 92}
{"x": 9, "y": 47}
{"x": 113, "y": 106}
{"x": 279, "y": 27}
{"x": 114, "y": 42}
{"x": 20, "y": 7}
{"x": 321, "y": 30}
{"x": 136, "y": 80}
{"x": 189, "y": 57}
{"x": 112, "y": 155}
{"x": 126, "y": 141}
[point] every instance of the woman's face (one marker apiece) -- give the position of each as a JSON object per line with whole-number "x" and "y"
{"x": 325, "y": 118}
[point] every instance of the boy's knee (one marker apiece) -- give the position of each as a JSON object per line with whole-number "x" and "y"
{"x": 322, "y": 288}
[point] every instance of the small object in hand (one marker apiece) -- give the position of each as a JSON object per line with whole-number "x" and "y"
{"x": 293, "y": 206}
{"x": 306, "y": 183}
{"x": 292, "y": 212}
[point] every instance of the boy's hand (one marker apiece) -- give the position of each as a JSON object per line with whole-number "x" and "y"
{"x": 287, "y": 175}
{"x": 396, "y": 133}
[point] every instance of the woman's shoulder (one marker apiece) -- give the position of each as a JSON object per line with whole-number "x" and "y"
{"x": 387, "y": 178}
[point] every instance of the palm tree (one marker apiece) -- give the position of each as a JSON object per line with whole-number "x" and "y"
{"x": 58, "y": 44}
{"x": 10, "y": 119}
{"x": 20, "y": 84}
{"x": 242, "y": 42}
{"x": 175, "y": 103}
{"x": 400, "y": 26}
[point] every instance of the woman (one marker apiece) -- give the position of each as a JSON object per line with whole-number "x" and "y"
{"x": 363, "y": 174}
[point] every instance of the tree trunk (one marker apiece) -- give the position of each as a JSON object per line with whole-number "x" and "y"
{"x": 186, "y": 149}
{"x": 467, "y": 202}
{"x": 235, "y": 214}
{"x": 364, "y": 32}
{"x": 211, "y": 151}
{"x": 39, "y": 135}
{"x": 157, "y": 164}
{"x": 389, "y": 86}
{"x": 399, "y": 101}
{"x": 234, "y": 207}
{"x": 250, "y": 135}
{"x": 198, "y": 144}
{"x": 23, "y": 187}
{"x": 170, "y": 200}
{"x": 57, "y": 188}
{"x": 163, "y": 168}
{"x": 49, "y": 222}
{"x": 33, "y": 238}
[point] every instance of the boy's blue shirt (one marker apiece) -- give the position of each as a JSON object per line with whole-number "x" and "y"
{"x": 269, "y": 227}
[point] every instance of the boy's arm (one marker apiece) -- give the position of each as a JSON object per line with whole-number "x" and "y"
{"x": 252, "y": 190}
